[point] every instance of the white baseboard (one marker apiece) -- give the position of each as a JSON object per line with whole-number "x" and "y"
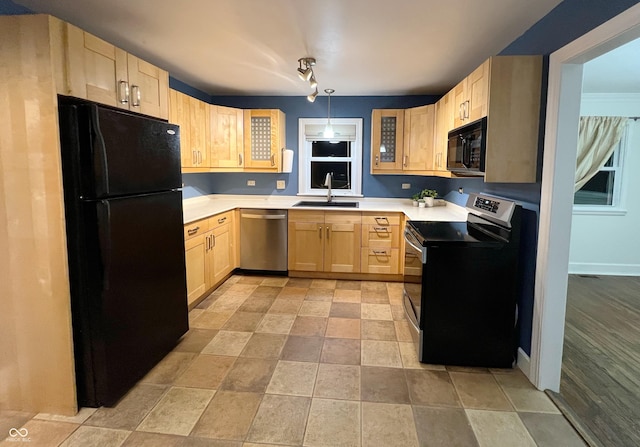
{"x": 524, "y": 363}
{"x": 582, "y": 268}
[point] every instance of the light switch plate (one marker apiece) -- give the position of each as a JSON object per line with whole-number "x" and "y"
{"x": 251, "y": 183}
{"x": 406, "y": 186}
{"x": 280, "y": 184}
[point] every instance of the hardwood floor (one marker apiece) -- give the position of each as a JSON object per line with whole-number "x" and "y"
{"x": 601, "y": 362}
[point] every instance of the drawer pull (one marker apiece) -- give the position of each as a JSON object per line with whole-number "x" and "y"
{"x": 386, "y": 230}
{"x": 383, "y": 219}
{"x": 192, "y": 231}
{"x": 380, "y": 252}
{"x": 222, "y": 220}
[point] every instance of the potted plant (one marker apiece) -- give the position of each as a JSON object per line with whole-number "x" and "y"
{"x": 415, "y": 198}
{"x": 428, "y": 195}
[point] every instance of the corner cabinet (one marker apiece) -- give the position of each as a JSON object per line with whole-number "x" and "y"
{"x": 227, "y": 137}
{"x": 99, "y": 71}
{"x": 264, "y": 136}
{"x": 418, "y": 138}
{"x": 192, "y": 115}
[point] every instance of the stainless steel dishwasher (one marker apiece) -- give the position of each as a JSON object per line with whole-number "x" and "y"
{"x": 263, "y": 240}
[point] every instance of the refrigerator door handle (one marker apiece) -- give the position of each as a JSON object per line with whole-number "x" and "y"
{"x": 105, "y": 243}
{"x": 99, "y": 146}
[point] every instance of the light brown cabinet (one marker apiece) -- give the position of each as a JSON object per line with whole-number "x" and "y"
{"x": 417, "y": 152}
{"x": 192, "y": 115}
{"x": 380, "y": 252}
{"x": 471, "y": 96}
{"x": 324, "y": 241}
{"x": 443, "y": 124}
{"x": 264, "y": 139}
{"x": 227, "y": 137}
{"x": 387, "y": 139}
{"x": 99, "y": 71}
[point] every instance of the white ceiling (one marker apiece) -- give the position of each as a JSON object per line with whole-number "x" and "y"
{"x": 617, "y": 71}
{"x": 362, "y": 47}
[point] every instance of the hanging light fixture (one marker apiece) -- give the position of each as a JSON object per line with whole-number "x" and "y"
{"x": 328, "y": 129}
{"x": 306, "y": 73}
{"x": 312, "y": 96}
{"x": 312, "y": 82}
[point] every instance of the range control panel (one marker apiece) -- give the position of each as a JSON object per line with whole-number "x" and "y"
{"x": 495, "y": 209}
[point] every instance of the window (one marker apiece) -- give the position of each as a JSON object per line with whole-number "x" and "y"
{"x": 603, "y": 190}
{"x": 341, "y": 156}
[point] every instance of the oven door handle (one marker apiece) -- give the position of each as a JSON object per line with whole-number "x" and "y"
{"x": 423, "y": 253}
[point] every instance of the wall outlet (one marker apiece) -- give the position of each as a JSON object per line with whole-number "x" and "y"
{"x": 251, "y": 183}
{"x": 406, "y": 186}
{"x": 280, "y": 184}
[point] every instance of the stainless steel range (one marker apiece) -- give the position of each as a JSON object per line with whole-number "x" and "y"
{"x": 461, "y": 285}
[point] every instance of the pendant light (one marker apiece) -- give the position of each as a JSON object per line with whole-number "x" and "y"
{"x": 328, "y": 129}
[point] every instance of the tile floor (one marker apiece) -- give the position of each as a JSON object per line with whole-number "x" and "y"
{"x": 281, "y": 361}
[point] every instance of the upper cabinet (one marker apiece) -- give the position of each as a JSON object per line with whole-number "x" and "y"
{"x": 471, "y": 96}
{"x": 264, "y": 136}
{"x": 444, "y": 118}
{"x": 192, "y": 115}
{"x": 227, "y": 137}
{"x": 99, "y": 71}
{"x": 402, "y": 140}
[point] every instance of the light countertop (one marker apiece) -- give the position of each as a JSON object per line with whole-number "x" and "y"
{"x": 204, "y": 206}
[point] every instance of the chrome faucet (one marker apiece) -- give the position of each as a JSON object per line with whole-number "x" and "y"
{"x": 327, "y": 182}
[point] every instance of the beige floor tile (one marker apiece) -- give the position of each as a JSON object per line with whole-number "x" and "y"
{"x": 386, "y": 385}
{"x": 343, "y": 328}
{"x": 439, "y": 427}
{"x": 388, "y": 425}
{"x": 345, "y": 310}
{"x": 468, "y": 369}
{"x": 309, "y": 326}
{"x": 195, "y": 340}
{"x": 264, "y": 346}
{"x": 227, "y": 343}
{"x": 208, "y": 301}
{"x": 346, "y": 296}
{"x": 257, "y": 305}
{"x": 403, "y": 332}
{"x": 381, "y": 353}
{"x": 13, "y": 419}
{"x": 210, "y": 319}
{"x": 293, "y": 378}
{"x": 206, "y": 371}
{"x": 228, "y": 416}
{"x": 299, "y": 282}
{"x": 480, "y": 391}
{"x": 193, "y": 315}
{"x": 302, "y": 349}
{"x": 333, "y": 423}
{"x": 341, "y": 351}
{"x": 177, "y": 412}
{"x": 338, "y": 382}
{"x": 142, "y": 439}
{"x": 90, "y": 436}
{"x": 265, "y": 291}
{"x": 344, "y": 284}
{"x": 275, "y": 282}
{"x": 250, "y": 280}
{"x": 397, "y": 312}
{"x": 551, "y": 430}
{"x": 373, "y": 286}
{"x": 494, "y": 428}
{"x": 170, "y": 368}
{"x": 228, "y": 303}
{"x": 410, "y": 360}
{"x": 319, "y": 295}
{"x": 285, "y": 307}
{"x": 293, "y": 293}
{"x": 376, "y": 312}
{"x": 523, "y": 395}
{"x": 315, "y": 309}
{"x": 131, "y": 410}
{"x": 378, "y": 330}
{"x": 79, "y": 418}
{"x": 280, "y": 420}
{"x": 243, "y": 322}
{"x": 239, "y": 289}
{"x": 40, "y": 433}
{"x": 276, "y": 323}
{"x": 323, "y": 284}
{"x": 251, "y": 375}
{"x": 431, "y": 388}
{"x": 375, "y": 297}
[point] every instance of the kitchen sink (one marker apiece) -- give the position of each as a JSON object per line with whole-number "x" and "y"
{"x": 327, "y": 204}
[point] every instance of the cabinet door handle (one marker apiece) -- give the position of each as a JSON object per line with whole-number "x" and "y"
{"x": 461, "y": 111}
{"x": 199, "y": 157}
{"x": 320, "y": 231}
{"x": 327, "y": 232}
{"x": 377, "y": 160}
{"x": 192, "y": 231}
{"x": 213, "y": 240}
{"x": 222, "y": 220}
{"x": 123, "y": 92}
{"x": 466, "y": 108}
{"x": 273, "y": 159}
{"x": 239, "y": 159}
{"x": 137, "y": 97}
{"x": 404, "y": 163}
{"x": 194, "y": 157}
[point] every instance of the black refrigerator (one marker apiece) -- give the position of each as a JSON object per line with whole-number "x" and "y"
{"x": 123, "y": 212}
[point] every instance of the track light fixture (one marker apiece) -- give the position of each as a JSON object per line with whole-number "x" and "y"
{"x": 305, "y": 72}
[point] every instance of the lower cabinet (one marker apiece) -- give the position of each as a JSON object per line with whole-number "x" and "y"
{"x": 324, "y": 241}
{"x": 380, "y": 253}
{"x": 210, "y": 253}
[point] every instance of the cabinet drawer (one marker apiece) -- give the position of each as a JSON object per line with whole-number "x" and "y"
{"x": 381, "y": 236}
{"x": 380, "y": 260}
{"x": 369, "y": 218}
{"x": 306, "y": 216}
{"x": 195, "y": 228}
{"x": 220, "y": 219}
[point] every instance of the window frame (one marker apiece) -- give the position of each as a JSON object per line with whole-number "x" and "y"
{"x": 305, "y": 158}
{"x": 617, "y": 206}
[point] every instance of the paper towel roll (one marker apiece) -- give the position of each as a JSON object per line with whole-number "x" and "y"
{"x": 287, "y": 160}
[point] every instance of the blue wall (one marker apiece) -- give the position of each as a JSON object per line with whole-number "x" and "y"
{"x": 8, "y": 8}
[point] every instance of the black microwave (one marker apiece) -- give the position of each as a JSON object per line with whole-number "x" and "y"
{"x": 466, "y": 149}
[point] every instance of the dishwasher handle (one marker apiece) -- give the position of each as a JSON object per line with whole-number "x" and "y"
{"x": 264, "y": 216}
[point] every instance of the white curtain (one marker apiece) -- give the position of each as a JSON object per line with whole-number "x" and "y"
{"x": 597, "y": 139}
